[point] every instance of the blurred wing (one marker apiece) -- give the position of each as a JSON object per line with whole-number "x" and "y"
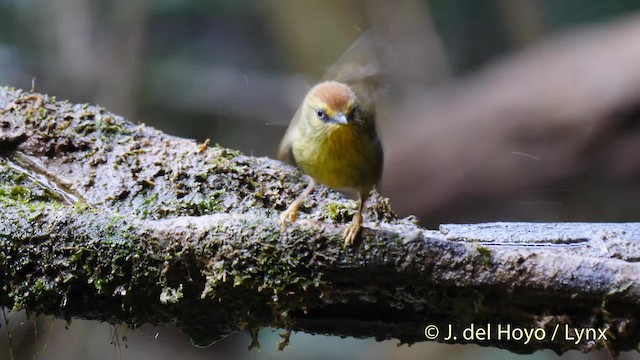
{"x": 285, "y": 152}
{"x": 360, "y": 68}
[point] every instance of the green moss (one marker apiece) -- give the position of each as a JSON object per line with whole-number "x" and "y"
{"x": 213, "y": 204}
{"x": 16, "y": 188}
{"x": 38, "y": 286}
{"x": 93, "y": 120}
{"x": 486, "y": 256}
{"x": 19, "y": 193}
{"x": 279, "y": 280}
{"x": 16, "y": 177}
{"x": 335, "y": 211}
{"x": 226, "y": 153}
{"x": 149, "y": 204}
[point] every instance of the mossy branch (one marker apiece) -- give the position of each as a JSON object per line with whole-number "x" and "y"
{"x": 103, "y": 219}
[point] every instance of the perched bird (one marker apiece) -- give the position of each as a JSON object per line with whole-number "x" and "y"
{"x": 332, "y": 138}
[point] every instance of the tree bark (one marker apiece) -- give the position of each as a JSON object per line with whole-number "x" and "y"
{"x": 103, "y": 219}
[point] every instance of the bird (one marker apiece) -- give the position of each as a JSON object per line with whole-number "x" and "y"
{"x": 332, "y": 138}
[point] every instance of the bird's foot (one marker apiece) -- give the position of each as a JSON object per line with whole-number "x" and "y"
{"x": 352, "y": 230}
{"x": 288, "y": 216}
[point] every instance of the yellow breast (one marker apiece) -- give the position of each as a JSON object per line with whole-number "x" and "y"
{"x": 339, "y": 157}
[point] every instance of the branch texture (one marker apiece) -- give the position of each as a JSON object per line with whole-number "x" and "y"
{"x": 103, "y": 219}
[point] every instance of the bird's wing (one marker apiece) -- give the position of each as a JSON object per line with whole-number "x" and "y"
{"x": 360, "y": 68}
{"x": 285, "y": 153}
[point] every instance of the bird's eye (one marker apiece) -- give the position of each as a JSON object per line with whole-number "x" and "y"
{"x": 321, "y": 114}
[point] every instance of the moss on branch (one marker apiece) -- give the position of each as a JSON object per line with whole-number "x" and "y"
{"x": 103, "y": 219}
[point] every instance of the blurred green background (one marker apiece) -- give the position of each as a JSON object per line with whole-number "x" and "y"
{"x": 235, "y": 71}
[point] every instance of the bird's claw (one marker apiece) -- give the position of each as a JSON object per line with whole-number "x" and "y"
{"x": 352, "y": 230}
{"x": 288, "y": 216}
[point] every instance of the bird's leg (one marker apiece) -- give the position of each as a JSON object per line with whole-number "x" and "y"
{"x": 354, "y": 227}
{"x": 291, "y": 214}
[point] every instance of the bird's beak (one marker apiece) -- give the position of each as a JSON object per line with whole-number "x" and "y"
{"x": 340, "y": 118}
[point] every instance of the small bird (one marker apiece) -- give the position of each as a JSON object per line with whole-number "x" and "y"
{"x": 332, "y": 138}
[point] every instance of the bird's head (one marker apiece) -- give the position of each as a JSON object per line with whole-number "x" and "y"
{"x": 332, "y": 103}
